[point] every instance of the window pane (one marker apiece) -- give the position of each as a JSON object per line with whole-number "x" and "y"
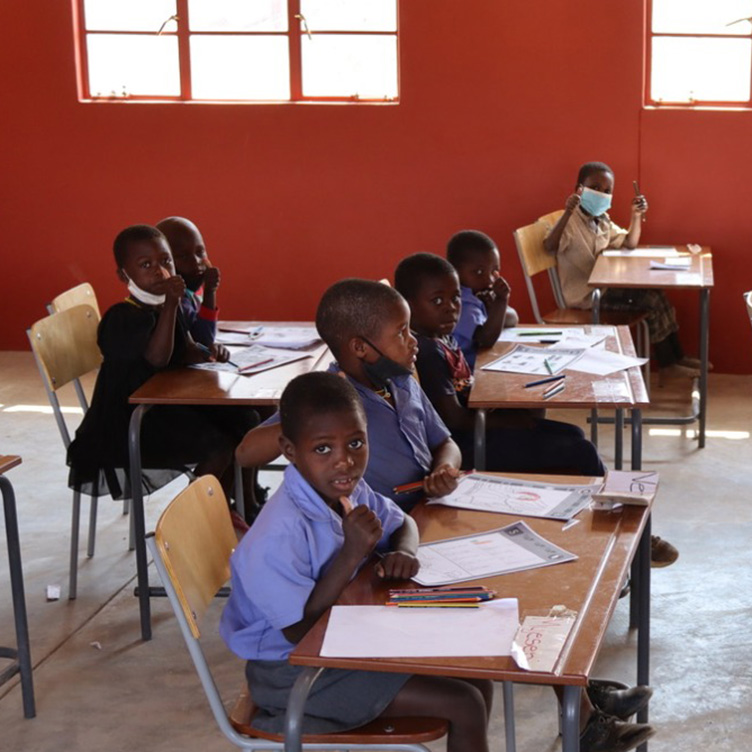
{"x": 136, "y": 64}
{"x": 716, "y": 70}
{"x": 128, "y": 15}
{"x": 350, "y": 15}
{"x": 237, "y": 15}
{"x": 693, "y": 17}
{"x": 345, "y": 66}
{"x": 247, "y": 67}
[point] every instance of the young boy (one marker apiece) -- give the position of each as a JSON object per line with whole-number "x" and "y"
{"x": 517, "y": 441}
{"x": 367, "y": 327}
{"x": 308, "y": 542}
{"x": 199, "y": 303}
{"x": 584, "y": 231}
{"x": 485, "y": 294}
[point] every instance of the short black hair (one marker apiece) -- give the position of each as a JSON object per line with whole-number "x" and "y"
{"x": 589, "y": 168}
{"x": 315, "y": 393}
{"x": 130, "y": 235}
{"x": 466, "y": 242}
{"x": 413, "y": 270}
{"x": 353, "y": 308}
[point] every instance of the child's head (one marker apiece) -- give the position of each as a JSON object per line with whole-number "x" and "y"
{"x": 188, "y": 249}
{"x": 362, "y": 320}
{"x": 143, "y": 256}
{"x": 324, "y": 433}
{"x": 597, "y": 176}
{"x": 431, "y": 286}
{"x": 475, "y": 257}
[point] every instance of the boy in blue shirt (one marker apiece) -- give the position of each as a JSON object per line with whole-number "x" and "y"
{"x": 308, "y": 542}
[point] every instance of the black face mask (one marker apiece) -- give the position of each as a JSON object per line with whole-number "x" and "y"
{"x": 384, "y": 369}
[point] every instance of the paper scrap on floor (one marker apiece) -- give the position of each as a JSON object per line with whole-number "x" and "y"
{"x": 523, "y": 359}
{"x": 247, "y": 361}
{"x": 390, "y": 632}
{"x": 603, "y": 362}
{"x": 471, "y": 557}
{"x": 656, "y": 251}
{"x": 491, "y": 493}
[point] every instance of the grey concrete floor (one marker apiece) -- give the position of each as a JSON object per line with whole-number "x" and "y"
{"x": 97, "y": 685}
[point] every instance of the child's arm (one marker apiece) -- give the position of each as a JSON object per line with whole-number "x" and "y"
{"x": 445, "y": 470}
{"x": 639, "y": 207}
{"x": 401, "y": 562}
{"x": 362, "y": 530}
{"x": 552, "y": 240}
{"x": 259, "y": 446}
{"x": 496, "y": 300}
{"x": 211, "y": 283}
{"x": 158, "y": 351}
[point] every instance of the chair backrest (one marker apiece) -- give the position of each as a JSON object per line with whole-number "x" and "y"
{"x": 82, "y": 294}
{"x": 551, "y": 218}
{"x": 748, "y": 301}
{"x": 534, "y": 259}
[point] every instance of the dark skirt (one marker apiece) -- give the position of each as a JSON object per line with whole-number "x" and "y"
{"x": 661, "y": 315}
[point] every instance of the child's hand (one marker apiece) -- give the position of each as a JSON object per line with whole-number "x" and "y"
{"x": 362, "y": 529}
{"x": 211, "y": 279}
{"x": 639, "y": 205}
{"x": 172, "y": 287}
{"x": 441, "y": 481}
{"x": 220, "y": 353}
{"x": 501, "y": 288}
{"x": 398, "y": 565}
{"x": 573, "y": 201}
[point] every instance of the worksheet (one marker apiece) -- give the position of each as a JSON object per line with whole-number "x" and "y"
{"x": 471, "y": 557}
{"x": 253, "y": 359}
{"x": 536, "y": 360}
{"x": 292, "y": 337}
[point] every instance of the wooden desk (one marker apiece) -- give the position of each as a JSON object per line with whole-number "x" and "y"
{"x": 605, "y": 543}
{"x": 21, "y": 654}
{"x": 617, "y": 391}
{"x": 191, "y": 386}
{"x": 635, "y": 272}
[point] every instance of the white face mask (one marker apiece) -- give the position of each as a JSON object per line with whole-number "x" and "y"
{"x": 147, "y": 298}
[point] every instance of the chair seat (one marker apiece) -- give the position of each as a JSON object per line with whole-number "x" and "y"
{"x": 381, "y": 730}
{"x": 581, "y": 316}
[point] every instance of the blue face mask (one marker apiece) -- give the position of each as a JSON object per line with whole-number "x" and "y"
{"x": 595, "y": 203}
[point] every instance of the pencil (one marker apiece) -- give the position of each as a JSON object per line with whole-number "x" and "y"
{"x": 546, "y": 381}
{"x": 418, "y": 484}
{"x": 438, "y": 605}
{"x": 547, "y": 333}
{"x": 554, "y": 391}
{"x": 548, "y": 366}
{"x": 206, "y": 351}
{"x": 255, "y": 365}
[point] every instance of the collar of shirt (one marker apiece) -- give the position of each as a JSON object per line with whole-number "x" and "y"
{"x": 597, "y": 224}
{"x": 308, "y": 501}
{"x": 399, "y": 389}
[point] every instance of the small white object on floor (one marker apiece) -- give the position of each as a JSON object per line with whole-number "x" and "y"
{"x": 95, "y": 644}
{"x": 53, "y": 592}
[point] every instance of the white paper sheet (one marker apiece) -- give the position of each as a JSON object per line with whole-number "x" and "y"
{"x": 247, "y": 361}
{"x": 390, "y": 632}
{"x": 489, "y": 493}
{"x": 287, "y": 337}
{"x": 680, "y": 264}
{"x": 653, "y": 252}
{"x": 523, "y": 359}
{"x": 472, "y": 557}
{"x": 532, "y": 334}
{"x": 579, "y": 341}
{"x": 603, "y": 362}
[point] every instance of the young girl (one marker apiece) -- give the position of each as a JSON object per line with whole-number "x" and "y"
{"x": 584, "y": 231}
{"x": 138, "y": 337}
{"x": 308, "y": 542}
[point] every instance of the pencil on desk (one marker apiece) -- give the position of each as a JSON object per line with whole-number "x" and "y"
{"x": 547, "y": 333}
{"x": 437, "y": 605}
{"x": 255, "y": 365}
{"x": 554, "y": 390}
{"x": 546, "y": 380}
{"x": 548, "y": 366}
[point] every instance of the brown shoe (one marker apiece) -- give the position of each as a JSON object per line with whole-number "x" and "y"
{"x": 662, "y": 553}
{"x": 604, "y": 733}
{"x": 695, "y": 363}
{"x": 617, "y": 699}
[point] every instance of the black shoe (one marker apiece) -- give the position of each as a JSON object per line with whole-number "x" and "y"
{"x": 604, "y": 733}
{"x": 614, "y": 698}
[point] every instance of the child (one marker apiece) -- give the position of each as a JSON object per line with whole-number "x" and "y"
{"x": 485, "y": 294}
{"x": 584, "y": 231}
{"x": 367, "y": 327}
{"x": 138, "y": 337}
{"x": 199, "y": 304}
{"x": 308, "y": 542}
{"x": 516, "y": 440}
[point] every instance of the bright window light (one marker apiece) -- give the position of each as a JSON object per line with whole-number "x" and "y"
{"x": 132, "y": 15}
{"x": 350, "y": 15}
{"x": 237, "y": 15}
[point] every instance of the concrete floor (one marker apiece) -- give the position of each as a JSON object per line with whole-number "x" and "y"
{"x": 97, "y": 685}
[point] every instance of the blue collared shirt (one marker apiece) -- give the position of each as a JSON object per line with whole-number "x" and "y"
{"x": 472, "y": 315}
{"x": 280, "y": 559}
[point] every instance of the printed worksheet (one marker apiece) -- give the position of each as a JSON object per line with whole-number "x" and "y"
{"x": 509, "y": 549}
{"x": 247, "y": 361}
{"x": 656, "y": 251}
{"x": 489, "y": 493}
{"x": 535, "y": 360}
{"x": 287, "y": 337}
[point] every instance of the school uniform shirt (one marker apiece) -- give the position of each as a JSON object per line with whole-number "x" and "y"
{"x": 472, "y": 315}
{"x": 276, "y": 565}
{"x": 584, "y": 237}
{"x": 201, "y": 321}
{"x": 443, "y": 368}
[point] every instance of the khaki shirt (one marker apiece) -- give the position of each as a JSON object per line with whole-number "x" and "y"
{"x": 584, "y": 237}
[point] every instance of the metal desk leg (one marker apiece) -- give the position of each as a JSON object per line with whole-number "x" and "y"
{"x": 480, "y": 439}
{"x": 643, "y": 635}
{"x": 239, "y": 495}
{"x": 139, "y": 524}
{"x": 635, "y": 574}
{"x": 636, "y": 439}
{"x": 509, "y": 731}
{"x": 296, "y": 707}
{"x": 618, "y": 438}
{"x": 23, "y": 650}
{"x": 704, "y": 333}
{"x": 570, "y": 719}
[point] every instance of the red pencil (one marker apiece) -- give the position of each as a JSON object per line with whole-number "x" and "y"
{"x": 255, "y": 365}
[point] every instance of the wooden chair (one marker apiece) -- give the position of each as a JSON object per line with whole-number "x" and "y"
{"x": 82, "y": 294}
{"x": 191, "y": 547}
{"x": 65, "y": 347}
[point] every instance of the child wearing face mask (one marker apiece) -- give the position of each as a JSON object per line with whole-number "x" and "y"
{"x": 586, "y": 230}
{"x": 144, "y": 334}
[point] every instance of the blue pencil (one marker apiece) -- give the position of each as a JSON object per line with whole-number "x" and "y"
{"x": 546, "y": 380}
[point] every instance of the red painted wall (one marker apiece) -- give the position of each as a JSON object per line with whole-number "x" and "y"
{"x": 501, "y": 101}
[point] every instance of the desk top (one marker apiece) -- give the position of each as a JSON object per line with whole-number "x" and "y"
{"x": 623, "y": 389}
{"x": 605, "y": 544}
{"x": 632, "y": 271}
{"x": 7, "y": 462}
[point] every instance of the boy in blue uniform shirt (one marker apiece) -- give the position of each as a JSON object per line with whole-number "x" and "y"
{"x": 308, "y": 542}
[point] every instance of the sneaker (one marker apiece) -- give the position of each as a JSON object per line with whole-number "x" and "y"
{"x": 662, "y": 553}
{"x": 615, "y": 698}
{"x": 604, "y": 733}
